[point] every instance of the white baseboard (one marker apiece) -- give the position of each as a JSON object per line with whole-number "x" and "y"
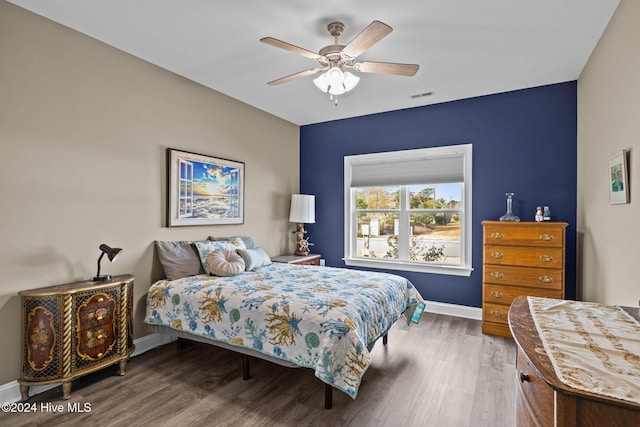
{"x": 149, "y": 342}
{"x": 474, "y": 313}
{"x": 10, "y": 392}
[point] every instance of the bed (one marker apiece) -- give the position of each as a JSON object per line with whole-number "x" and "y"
{"x": 323, "y": 318}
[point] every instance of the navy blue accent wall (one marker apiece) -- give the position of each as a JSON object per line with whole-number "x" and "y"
{"x": 523, "y": 142}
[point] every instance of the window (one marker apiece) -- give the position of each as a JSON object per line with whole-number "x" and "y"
{"x": 185, "y": 197}
{"x": 409, "y": 210}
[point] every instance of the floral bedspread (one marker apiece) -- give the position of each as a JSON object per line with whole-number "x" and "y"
{"x": 321, "y": 318}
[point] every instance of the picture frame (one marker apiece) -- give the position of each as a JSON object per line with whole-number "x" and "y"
{"x": 203, "y": 190}
{"x": 618, "y": 175}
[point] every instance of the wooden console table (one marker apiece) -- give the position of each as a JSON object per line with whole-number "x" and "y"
{"x": 73, "y": 329}
{"x": 542, "y": 399}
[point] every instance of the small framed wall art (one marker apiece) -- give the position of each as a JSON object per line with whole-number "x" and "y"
{"x": 204, "y": 190}
{"x": 618, "y": 174}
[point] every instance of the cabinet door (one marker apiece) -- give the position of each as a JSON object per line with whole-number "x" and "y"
{"x": 41, "y": 338}
{"x": 96, "y": 329}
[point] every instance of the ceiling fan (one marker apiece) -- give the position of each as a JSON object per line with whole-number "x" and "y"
{"x": 336, "y": 59}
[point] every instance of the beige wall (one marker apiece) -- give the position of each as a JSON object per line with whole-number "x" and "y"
{"x": 83, "y": 133}
{"x": 609, "y": 121}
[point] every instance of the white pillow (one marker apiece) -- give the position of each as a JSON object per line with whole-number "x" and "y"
{"x": 225, "y": 262}
{"x": 254, "y": 258}
{"x": 204, "y": 248}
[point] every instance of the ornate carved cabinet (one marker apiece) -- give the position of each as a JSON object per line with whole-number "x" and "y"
{"x": 73, "y": 329}
{"x": 520, "y": 258}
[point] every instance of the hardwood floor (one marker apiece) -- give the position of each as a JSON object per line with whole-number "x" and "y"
{"x": 442, "y": 372}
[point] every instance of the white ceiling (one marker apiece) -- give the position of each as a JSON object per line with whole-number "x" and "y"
{"x": 465, "y": 48}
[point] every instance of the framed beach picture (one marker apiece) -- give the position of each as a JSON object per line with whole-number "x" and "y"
{"x": 618, "y": 178}
{"x": 204, "y": 190}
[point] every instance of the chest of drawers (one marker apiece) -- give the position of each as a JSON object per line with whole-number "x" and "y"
{"x": 520, "y": 258}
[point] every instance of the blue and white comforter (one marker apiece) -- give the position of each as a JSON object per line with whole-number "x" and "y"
{"x": 321, "y": 318}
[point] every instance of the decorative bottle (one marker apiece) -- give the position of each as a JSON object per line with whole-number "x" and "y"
{"x": 509, "y": 216}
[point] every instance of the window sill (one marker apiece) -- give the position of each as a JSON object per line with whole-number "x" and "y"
{"x": 409, "y": 266}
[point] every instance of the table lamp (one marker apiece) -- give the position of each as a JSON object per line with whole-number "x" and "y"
{"x": 303, "y": 211}
{"x": 112, "y": 254}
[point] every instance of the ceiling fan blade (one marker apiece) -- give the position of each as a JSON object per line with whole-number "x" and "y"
{"x": 372, "y": 34}
{"x": 387, "y": 68}
{"x": 291, "y": 48}
{"x": 295, "y": 76}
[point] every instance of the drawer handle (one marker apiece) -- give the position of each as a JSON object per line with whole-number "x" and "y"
{"x": 497, "y": 275}
{"x": 100, "y": 299}
{"x": 496, "y": 313}
{"x": 546, "y": 258}
{"x": 545, "y": 279}
{"x": 546, "y": 237}
{"x": 497, "y": 235}
{"x": 497, "y": 294}
{"x": 497, "y": 255}
{"x": 524, "y": 377}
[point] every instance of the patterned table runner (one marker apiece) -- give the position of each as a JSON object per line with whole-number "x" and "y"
{"x": 593, "y": 347}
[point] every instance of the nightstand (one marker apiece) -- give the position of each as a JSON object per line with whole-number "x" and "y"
{"x": 73, "y": 329}
{"x": 311, "y": 259}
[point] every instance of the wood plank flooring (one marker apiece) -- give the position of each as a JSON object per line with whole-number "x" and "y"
{"x": 442, "y": 372}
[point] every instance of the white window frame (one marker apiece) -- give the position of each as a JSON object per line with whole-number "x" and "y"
{"x": 350, "y": 217}
{"x": 185, "y": 201}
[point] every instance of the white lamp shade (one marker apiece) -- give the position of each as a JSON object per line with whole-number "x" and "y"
{"x": 336, "y": 82}
{"x": 322, "y": 82}
{"x": 303, "y": 208}
{"x": 350, "y": 81}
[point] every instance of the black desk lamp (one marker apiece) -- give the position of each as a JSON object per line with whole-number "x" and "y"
{"x": 112, "y": 254}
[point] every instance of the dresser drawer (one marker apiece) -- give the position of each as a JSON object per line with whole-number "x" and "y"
{"x": 524, "y": 234}
{"x": 505, "y": 295}
{"x": 533, "y": 395}
{"x": 524, "y": 256}
{"x": 496, "y": 313}
{"x": 546, "y": 278}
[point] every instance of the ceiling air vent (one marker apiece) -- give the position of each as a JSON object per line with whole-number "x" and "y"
{"x": 420, "y": 95}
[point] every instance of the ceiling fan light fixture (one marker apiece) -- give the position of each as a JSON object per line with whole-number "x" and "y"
{"x": 336, "y": 82}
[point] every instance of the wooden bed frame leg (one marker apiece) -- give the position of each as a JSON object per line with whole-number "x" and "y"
{"x": 384, "y": 339}
{"x": 328, "y": 396}
{"x": 245, "y": 367}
